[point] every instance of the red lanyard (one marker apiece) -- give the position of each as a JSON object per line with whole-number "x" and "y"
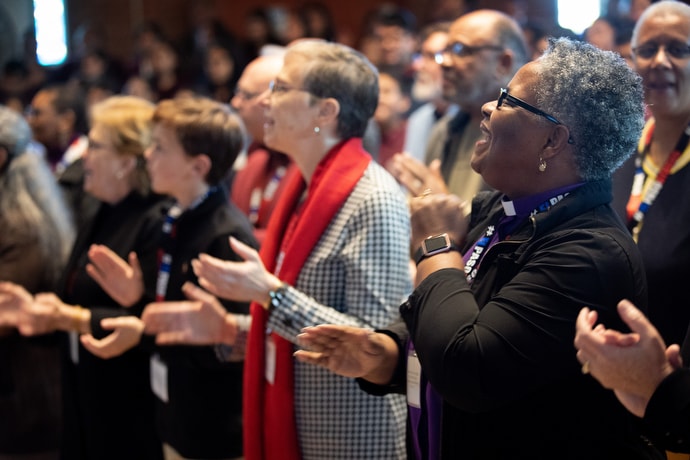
{"x": 637, "y": 204}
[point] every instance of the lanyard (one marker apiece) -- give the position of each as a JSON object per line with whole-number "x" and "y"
{"x": 169, "y": 243}
{"x": 638, "y": 205}
{"x": 507, "y": 222}
{"x": 257, "y": 196}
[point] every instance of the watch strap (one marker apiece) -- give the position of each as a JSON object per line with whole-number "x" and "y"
{"x": 422, "y": 253}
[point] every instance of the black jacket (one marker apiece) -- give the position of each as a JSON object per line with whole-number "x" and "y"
{"x": 108, "y": 404}
{"x": 203, "y": 418}
{"x": 500, "y": 351}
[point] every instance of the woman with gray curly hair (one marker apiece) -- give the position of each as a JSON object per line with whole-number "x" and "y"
{"x": 491, "y": 370}
{"x": 36, "y": 235}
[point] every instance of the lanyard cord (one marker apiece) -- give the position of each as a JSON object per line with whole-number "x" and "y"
{"x": 636, "y": 216}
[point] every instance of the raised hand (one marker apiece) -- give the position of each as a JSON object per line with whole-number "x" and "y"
{"x": 240, "y": 281}
{"x": 349, "y": 351}
{"x": 631, "y": 364}
{"x": 200, "y": 321}
{"x": 435, "y": 214}
{"x": 126, "y": 334}
{"x": 121, "y": 280}
{"x": 415, "y": 176}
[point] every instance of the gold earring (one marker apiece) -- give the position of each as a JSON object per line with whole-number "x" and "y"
{"x": 542, "y": 164}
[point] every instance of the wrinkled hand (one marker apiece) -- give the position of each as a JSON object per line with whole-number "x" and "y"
{"x": 436, "y": 214}
{"x": 126, "y": 335}
{"x": 238, "y": 281}
{"x": 122, "y": 281}
{"x": 13, "y": 299}
{"x": 415, "y": 176}
{"x": 200, "y": 321}
{"x": 349, "y": 351}
{"x": 631, "y": 364}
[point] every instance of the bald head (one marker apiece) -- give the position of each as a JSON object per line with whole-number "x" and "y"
{"x": 664, "y": 8}
{"x": 486, "y": 48}
{"x": 252, "y": 84}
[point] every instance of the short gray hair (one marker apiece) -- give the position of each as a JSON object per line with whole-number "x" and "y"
{"x": 339, "y": 72}
{"x": 598, "y": 97}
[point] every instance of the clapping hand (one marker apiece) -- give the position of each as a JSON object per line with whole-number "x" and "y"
{"x": 126, "y": 334}
{"x": 122, "y": 281}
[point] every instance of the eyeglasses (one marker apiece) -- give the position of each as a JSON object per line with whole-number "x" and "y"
{"x": 675, "y": 50}
{"x": 246, "y": 95}
{"x": 458, "y": 49}
{"x": 276, "y": 88}
{"x": 505, "y": 96}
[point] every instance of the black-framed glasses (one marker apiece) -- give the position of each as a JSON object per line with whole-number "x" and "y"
{"x": 504, "y": 95}
{"x": 675, "y": 50}
{"x": 461, "y": 50}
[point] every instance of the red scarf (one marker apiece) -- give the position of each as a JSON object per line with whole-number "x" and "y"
{"x": 269, "y": 414}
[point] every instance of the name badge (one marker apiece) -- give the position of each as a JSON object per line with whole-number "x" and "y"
{"x": 159, "y": 378}
{"x": 414, "y": 380}
{"x": 270, "y": 370}
{"x": 73, "y": 346}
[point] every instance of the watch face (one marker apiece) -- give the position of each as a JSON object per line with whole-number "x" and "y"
{"x": 436, "y": 243}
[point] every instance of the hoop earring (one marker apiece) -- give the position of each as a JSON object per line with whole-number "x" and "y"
{"x": 542, "y": 165}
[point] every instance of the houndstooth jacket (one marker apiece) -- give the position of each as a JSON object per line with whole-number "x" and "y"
{"x": 357, "y": 275}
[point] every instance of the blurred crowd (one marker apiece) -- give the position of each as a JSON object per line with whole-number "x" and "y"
{"x": 173, "y": 226}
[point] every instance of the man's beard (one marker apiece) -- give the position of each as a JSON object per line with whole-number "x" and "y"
{"x": 424, "y": 91}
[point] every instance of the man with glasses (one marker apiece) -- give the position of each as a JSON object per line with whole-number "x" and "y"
{"x": 486, "y": 48}
{"x": 258, "y": 183}
{"x": 427, "y": 90}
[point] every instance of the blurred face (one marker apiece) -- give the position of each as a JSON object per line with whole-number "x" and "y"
{"x": 508, "y": 153}
{"x": 106, "y": 172}
{"x": 256, "y": 30}
{"x": 662, "y": 59}
{"x": 290, "y": 113}
{"x": 393, "y": 104}
{"x": 294, "y": 28}
{"x": 397, "y": 45}
{"x": 169, "y": 167}
{"x": 251, "y": 88}
{"x": 219, "y": 65}
{"x": 44, "y": 119}
{"x": 601, "y": 35}
{"x": 163, "y": 58}
{"x": 428, "y": 82}
{"x": 470, "y": 78}
{"x": 92, "y": 67}
{"x": 137, "y": 86}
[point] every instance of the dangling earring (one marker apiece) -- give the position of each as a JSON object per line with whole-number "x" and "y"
{"x": 542, "y": 165}
{"x": 317, "y": 130}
